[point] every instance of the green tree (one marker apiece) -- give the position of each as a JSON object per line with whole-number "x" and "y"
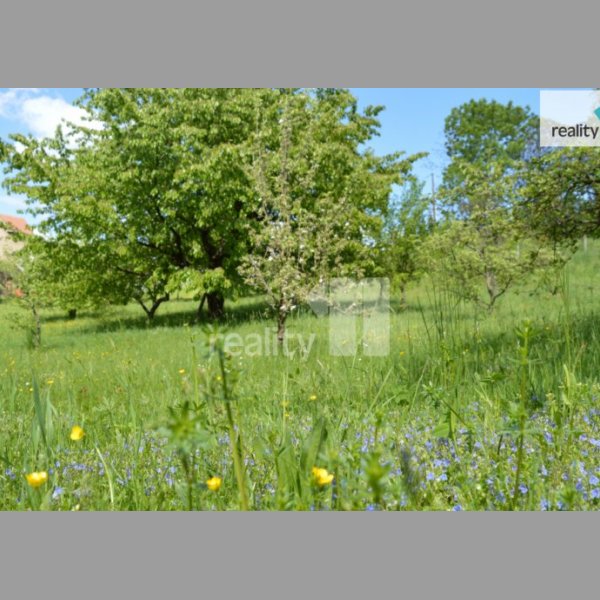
{"x": 82, "y": 258}
{"x": 406, "y": 227}
{"x": 321, "y": 198}
{"x": 157, "y": 185}
{"x": 486, "y": 239}
{"x": 468, "y": 259}
{"x": 479, "y": 133}
{"x": 561, "y": 194}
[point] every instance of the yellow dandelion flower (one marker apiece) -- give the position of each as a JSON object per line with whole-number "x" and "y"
{"x": 182, "y": 371}
{"x": 77, "y": 433}
{"x": 312, "y": 397}
{"x": 36, "y": 478}
{"x": 214, "y": 483}
{"x": 322, "y": 476}
{"x": 50, "y": 381}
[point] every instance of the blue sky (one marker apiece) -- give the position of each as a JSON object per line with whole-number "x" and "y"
{"x": 412, "y": 122}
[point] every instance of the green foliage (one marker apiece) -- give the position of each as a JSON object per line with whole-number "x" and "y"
{"x": 480, "y": 258}
{"x": 482, "y": 131}
{"x": 435, "y": 425}
{"x": 321, "y": 198}
{"x": 561, "y": 194}
{"x": 165, "y": 183}
{"x": 406, "y": 227}
{"x": 486, "y": 241}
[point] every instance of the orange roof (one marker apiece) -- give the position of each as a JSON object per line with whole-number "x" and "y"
{"x": 17, "y": 222}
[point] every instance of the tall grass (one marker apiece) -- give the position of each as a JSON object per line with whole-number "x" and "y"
{"x": 468, "y": 410}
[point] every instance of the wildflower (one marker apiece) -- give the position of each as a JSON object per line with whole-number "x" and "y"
{"x": 50, "y": 382}
{"x": 77, "y": 433}
{"x": 595, "y": 493}
{"x": 312, "y": 397}
{"x": 182, "y": 371}
{"x": 214, "y": 484}
{"x": 594, "y": 480}
{"x": 57, "y": 493}
{"x": 457, "y": 507}
{"x": 523, "y": 488}
{"x": 36, "y": 478}
{"x": 322, "y": 476}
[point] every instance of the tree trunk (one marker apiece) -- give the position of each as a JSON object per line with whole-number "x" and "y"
{"x": 72, "y": 313}
{"x": 403, "y": 296}
{"x": 281, "y": 327}
{"x": 216, "y": 305}
{"x": 492, "y": 286}
{"x": 150, "y": 312}
{"x": 36, "y": 338}
{"x": 282, "y": 314}
{"x": 200, "y": 307}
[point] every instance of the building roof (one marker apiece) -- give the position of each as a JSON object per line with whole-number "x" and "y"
{"x": 16, "y": 222}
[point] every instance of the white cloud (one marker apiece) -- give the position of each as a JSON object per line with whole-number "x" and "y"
{"x": 40, "y": 113}
{"x": 43, "y": 114}
{"x": 12, "y": 98}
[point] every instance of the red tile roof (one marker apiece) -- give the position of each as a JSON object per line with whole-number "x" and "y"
{"x": 17, "y": 222}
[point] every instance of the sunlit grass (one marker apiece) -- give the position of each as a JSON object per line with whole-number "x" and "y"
{"x": 446, "y": 421}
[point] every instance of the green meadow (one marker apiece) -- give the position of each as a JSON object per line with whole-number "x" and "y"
{"x": 469, "y": 410}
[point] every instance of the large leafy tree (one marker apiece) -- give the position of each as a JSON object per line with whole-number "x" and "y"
{"x": 322, "y": 197}
{"x": 157, "y": 186}
{"x": 483, "y": 131}
{"x": 480, "y": 257}
{"x": 485, "y": 240}
{"x": 171, "y": 188}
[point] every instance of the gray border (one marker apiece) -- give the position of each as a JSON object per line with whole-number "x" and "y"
{"x": 465, "y": 43}
{"x": 297, "y": 555}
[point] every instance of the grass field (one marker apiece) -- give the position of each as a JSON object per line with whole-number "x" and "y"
{"x": 468, "y": 411}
